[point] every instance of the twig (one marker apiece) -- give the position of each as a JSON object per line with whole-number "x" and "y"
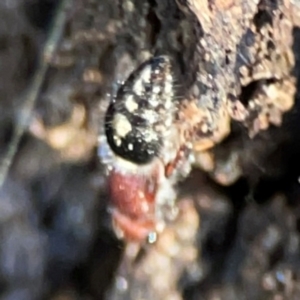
{"x": 35, "y": 87}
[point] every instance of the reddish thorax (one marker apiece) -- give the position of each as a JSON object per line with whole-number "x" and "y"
{"x": 133, "y": 199}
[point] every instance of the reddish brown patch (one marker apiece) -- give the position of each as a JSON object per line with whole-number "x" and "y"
{"x": 170, "y": 167}
{"x": 132, "y": 194}
{"x": 132, "y": 229}
{"x": 133, "y": 200}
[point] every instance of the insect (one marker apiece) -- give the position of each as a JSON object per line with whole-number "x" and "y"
{"x": 147, "y": 151}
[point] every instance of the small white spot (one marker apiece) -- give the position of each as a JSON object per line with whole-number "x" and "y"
{"x": 138, "y": 87}
{"x": 150, "y": 136}
{"x": 121, "y": 125}
{"x": 121, "y": 284}
{"x": 169, "y": 78}
{"x": 168, "y": 122}
{"x": 150, "y": 116}
{"x": 154, "y": 101}
{"x": 156, "y": 89}
{"x": 131, "y": 104}
{"x": 168, "y": 87}
{"x": 145, "y": 76}
{"x": 152, "y": 237}
{"x": 204, "y": 128}
{"x": 168, "y": 104}
{"x": 117, "y": 140}
{"x": 129, "y": 6}
{"x": 146, "y": 73}
{"x": 130, "y": 147}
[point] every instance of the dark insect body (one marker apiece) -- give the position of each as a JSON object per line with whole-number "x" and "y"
{"x": 138, "y": 117}
{"x": 146, "y": 150}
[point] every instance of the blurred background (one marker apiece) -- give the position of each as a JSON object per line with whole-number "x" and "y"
{"x": 56, "y": 240}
